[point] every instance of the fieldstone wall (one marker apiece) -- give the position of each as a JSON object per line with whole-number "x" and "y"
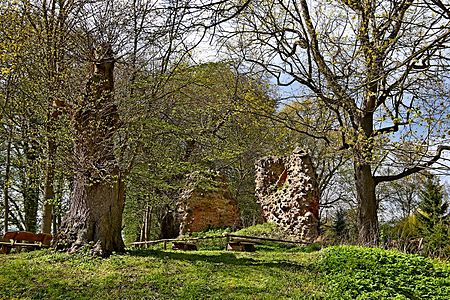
{"x": 201, "y": 208}
{"x": 287, "y": 190}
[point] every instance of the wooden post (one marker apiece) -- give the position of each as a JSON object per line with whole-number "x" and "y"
{"x": 149, "y": 222}
{"x": 146, "y": 219}
{"x": 165, "y": 245}
{"x": 142, "y": 227}
{"x": 227, "y": 241}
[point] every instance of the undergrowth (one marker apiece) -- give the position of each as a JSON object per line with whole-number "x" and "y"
{"x": 373, "y": 273}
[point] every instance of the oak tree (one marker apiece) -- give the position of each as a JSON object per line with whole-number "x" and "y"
{"x": 379, "y": 66}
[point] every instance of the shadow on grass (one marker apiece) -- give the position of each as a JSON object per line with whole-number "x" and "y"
{"x": 227, "y": 258}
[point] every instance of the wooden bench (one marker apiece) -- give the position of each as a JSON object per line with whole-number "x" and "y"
{"x": 241, "y": 246}
{"x": 24, "y": 239}
{"x": 183, "y": 246}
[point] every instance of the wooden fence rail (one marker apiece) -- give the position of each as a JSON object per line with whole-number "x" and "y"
{"x": 247, "y": 237}
{"x": 165, "y": 241}
{"x": 227, "y": 236}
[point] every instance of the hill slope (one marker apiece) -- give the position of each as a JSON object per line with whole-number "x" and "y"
{"x": 333, "y": 273}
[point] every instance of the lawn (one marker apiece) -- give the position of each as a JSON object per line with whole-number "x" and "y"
{"x": 332, "y": 273}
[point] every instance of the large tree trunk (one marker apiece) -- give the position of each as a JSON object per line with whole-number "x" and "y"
{"x": 95, "y": 215}
{"x": 367, "y": 204}
{"x": 364, "y": 179}
{"x": 97, "y": 200}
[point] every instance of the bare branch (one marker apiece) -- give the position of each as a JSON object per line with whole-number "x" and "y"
{"x": 415, "y": 169}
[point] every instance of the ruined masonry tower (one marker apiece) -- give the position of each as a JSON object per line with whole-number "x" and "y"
{"x": 288, "y": 192}
{"x": 201, "y": 209}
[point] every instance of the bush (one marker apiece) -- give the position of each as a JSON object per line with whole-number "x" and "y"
{"x": 341, "y": 228}
{"x": 211, "y": 232}
{"x": 267, "y": 230}
{"x": 373, "y": 273}
{"x": 437, "y": 241}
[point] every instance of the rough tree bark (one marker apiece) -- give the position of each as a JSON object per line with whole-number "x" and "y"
{"x": 97, "y": 199}
{"x": 367, "y": 204}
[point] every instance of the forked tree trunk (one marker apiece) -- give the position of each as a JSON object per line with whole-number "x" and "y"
{"x": 146, "y": 224}
{"x": 97, "y": 200}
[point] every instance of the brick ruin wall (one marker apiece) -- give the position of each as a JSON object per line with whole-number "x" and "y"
{"x": 288, "y": 192}
{"x": 200, "y": 210}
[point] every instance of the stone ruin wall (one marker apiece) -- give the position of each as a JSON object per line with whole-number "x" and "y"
{"x": 287, "y": 190}
{"x": 200, "y": 210}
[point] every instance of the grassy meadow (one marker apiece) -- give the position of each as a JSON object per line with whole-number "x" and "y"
{"x": 332, "y": 273}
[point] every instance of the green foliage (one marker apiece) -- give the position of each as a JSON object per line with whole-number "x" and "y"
{"x": 205, "y": 181}
{"x": 339, "y": 222}
{"x": 407, "y": 228}
{"x": 372, "y": 273}
{"x": 341, "y": 228}
{"x": 436, "y": 241}
{"x": 433, "y": 217}
{"x": 34, "y": 77}
{"x": 208, "y": 119}
{"x": 402, "y": 235}
{"x": 310, "y": 248}
{"x": 211, "y": 232}
{"x": 432, "y": 207}
{"x": 340, "y": 225}
{"x": 211, "y": 244}
{"x": 269, "y": 230}
{"x": 403, "y": 231}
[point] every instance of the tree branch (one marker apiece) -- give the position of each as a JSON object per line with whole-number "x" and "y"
{"x": 347, "y": 103}
{"x": 415, "y": 169}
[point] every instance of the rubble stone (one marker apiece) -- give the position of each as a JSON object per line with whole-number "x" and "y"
{"x": 288, "y": 192}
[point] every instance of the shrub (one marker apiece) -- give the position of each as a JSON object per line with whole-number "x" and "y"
{"x": 372, "y": 273}
{"x": 269, "y": 230}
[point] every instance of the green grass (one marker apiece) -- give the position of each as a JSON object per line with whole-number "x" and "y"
{"x": 372, "y": 273}
{"x": 332, "y": 273}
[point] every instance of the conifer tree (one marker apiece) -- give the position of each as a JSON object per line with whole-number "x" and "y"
{"x": 340, "y": 224}
{"x": 433, "y": 218}
{"x": 432, "y": 208}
